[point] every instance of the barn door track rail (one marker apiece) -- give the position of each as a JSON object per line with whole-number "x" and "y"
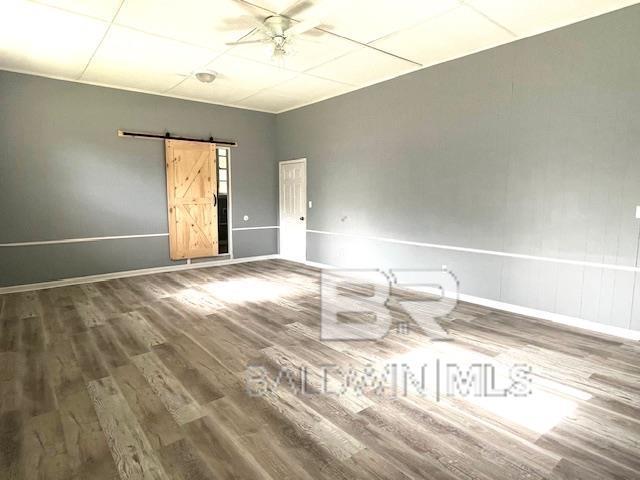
{"x": 168, "y": 136}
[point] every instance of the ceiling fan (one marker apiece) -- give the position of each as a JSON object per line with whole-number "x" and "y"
{"x": 280, "y": 29}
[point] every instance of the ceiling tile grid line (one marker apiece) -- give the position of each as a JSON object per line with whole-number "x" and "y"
{"x": 157, "y": 46}
{"x": 348, "y": 86}
{"x": 213, "y": 60}
{"x": 180, "y": 82}
{"x": 458, "y": 32}
{"x": 379, "y": 72}
{"x": 157, "y": 35}
{"x": 237, "y": 79}
{"x": 106, "y": 13}
{"x": 113, "y": 19}
{"x": 172, "y": 87}
{"x": 233, "y": 53}
{"x": 138, "y": 90}
{"x": 101, "y": 40}
{"x": 449, "y": 6}
{"x": 498, "y": 24}
{"x": 371, "y": 46}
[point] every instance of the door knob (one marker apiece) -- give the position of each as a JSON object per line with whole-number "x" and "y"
{"x": 301, "y": 218}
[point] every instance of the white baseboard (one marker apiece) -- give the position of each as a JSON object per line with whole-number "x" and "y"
{"x": 526, "y": 311}
{"x": 128, "y": 273}
{"x": 554, "y": 317}
{"x": 317, "y": 264}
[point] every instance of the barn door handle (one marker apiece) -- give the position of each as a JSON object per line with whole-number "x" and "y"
{"x": 215, "y": 200}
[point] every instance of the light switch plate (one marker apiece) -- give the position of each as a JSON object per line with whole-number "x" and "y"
{"x": 638, "y": 211}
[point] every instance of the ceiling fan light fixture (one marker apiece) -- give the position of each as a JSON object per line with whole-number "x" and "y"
{"x": 279, "y": 41}
{"x": 278, "y": 54}
{"x": 206, "y": 77}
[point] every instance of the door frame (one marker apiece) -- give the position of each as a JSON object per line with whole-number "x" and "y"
{"x": 306, "y": 200}
{"x": 229, "y": 204}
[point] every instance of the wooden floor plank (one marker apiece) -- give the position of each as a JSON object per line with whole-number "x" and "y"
{"x": 177, "y": 400}
{"x": 159, "y": 426}
{"x": 131, "y": 451}
{"x": 182, "y": 461}
{"x": 44, "y": 453}
{"x": 89, "y": 357}
{"x": 37, "y": 393}
{"x": 89, "y": 454}
{"x": 11, "y": 434}
{"x": 112, "y": 352}
{"x": 201, "y": 388}
{"x": 10, "y": 334}
{"x": 222, "y": 452}
{"x": 64, "y": 373}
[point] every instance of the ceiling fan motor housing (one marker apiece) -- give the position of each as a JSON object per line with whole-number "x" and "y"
{"x": 277, "y": 25}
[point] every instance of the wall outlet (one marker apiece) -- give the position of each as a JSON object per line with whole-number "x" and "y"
{"x": 310, "y": 204}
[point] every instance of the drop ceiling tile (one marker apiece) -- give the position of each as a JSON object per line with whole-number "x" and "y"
{"x": 459, "y": 32}
{"x": 301, "y": 90}
{"x": 255, "y": 74}
{"x": 270, "y": 102}
{"x": 237, "y": 78}
{"x": 528, "y": 17}
{"x": 306, "y": 51}
{"x": 307, "y": 88}
{"x": 201, "y": 22}
{"x": 41, "y": 39}
{"x": 133, "y": 59}
{"x": 222, "y": 90}
{"x": 102, "y": 9}
{"x": 363, "y": 67}
{"x": 368, "y": 20}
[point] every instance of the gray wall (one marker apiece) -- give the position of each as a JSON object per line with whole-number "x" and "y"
{"x": 531, "y": 148}
{"x": 64, "y": 173}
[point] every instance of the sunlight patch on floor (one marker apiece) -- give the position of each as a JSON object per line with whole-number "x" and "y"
{"x": 249, "y": 290}
{"x": 488, "y": 383}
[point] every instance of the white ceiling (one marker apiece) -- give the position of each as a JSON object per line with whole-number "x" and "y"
{"x": 157, "y": 45}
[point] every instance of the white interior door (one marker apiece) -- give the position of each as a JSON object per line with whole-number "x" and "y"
{"x": 293, "y": 209}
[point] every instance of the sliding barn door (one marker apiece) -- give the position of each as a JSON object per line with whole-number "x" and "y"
{"x": 192, "y": 199}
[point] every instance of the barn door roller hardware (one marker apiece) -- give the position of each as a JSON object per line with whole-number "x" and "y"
{"x": 167, "y": 135}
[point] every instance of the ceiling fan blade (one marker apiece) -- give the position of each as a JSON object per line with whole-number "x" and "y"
{"x": 297, "y": 8}
{"x": 315, "y": 17}
{"x": 320, "y": 30}
{"x": 240, "y": 23}
{"x": 302, "y": 27}
{"x": 247, "y": 42}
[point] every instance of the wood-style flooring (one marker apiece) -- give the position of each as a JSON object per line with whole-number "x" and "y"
{"x": 146, "y": 378}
